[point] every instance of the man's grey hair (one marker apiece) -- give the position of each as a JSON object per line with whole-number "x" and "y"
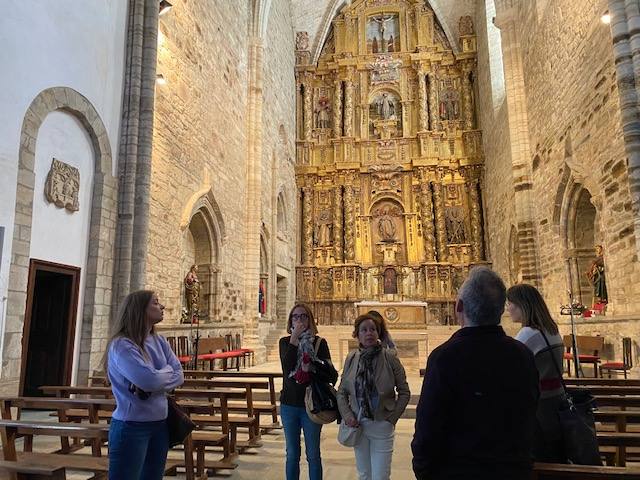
{"x": 483, "y": 296}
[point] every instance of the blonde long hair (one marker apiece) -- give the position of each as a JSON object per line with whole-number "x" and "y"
{"x": 131, "y": 322}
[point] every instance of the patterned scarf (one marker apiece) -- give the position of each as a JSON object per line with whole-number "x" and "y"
{"x": 366, "y": 391}
{"x": 306, "y": 355}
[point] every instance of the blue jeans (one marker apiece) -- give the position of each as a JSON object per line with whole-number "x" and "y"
{"x": 295, "y": 419}
{"x": 137, "y": 450}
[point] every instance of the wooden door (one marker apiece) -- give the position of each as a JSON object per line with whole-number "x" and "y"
{"x": 49, "y": 326}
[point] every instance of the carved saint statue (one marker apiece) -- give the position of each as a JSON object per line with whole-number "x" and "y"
{"x": 596, "y": 276}
{"x": 386, "y": 228}
{"x": 386, "y": 109}
{"x": 192, "y": 294}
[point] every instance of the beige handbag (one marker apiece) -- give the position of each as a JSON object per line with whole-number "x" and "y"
{"x": 349, "y": 436}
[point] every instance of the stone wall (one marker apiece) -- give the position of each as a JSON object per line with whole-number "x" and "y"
{"x": 493, "y": 121}
{"x": 200, "y": 150}
{"x": 278, "y": 151}
{"x": 199, "y": 142}
{"x": 579, "y": 184}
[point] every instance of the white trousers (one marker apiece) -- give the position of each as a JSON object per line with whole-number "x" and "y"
{"x": 374, "y": 450}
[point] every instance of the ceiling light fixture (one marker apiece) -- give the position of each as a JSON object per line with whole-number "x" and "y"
{"x": 164, "y": 7}
{"x": 606, "y": 18}
{"x": 160, "y": 80}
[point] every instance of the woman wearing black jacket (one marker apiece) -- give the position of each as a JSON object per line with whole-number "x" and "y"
{"x": 297, "y": 352}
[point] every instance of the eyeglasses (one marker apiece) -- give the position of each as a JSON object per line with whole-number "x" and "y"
{"x": 300, "y": 316}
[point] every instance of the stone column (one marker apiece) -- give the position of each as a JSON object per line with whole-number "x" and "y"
{"x": 433, "y": 102}
{"x": 428, "y": 227}
{"x": 423, "y": 121}
{"x": 308, "y": 110}
{"x": 441, "y": 228}
{"x": 253, "y": 189}
{"x": 625, "y": 18}
{"x": 349, "y": 224}
{"x": 337, "y": 109}
{"x": 348, "y": 108}
{"x": 519, "y": 139}
{"x": 134, "y": 153}
{"x": 338, "y": 244}
{"x": 307, "y": 225}
{"x": 477, "y": 250}
{"x": 467, "y": 98}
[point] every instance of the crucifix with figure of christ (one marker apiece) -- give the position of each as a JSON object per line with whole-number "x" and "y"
{"x": 382, "y": 20}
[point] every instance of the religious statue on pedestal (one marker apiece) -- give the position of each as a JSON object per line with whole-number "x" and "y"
{"x": 192, "y": 294}
{"x": 386, "y": 227}
{"x": 596, "y": 276}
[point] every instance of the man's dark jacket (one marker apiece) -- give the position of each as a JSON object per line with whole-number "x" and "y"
{"x": 475, "y": 417}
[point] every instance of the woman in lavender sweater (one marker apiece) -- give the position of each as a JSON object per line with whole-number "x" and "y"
{"x": 142, "y": 369}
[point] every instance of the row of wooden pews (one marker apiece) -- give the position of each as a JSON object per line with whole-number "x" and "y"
{"x": 617, "y": 419}
{"x": 220, "y": 403}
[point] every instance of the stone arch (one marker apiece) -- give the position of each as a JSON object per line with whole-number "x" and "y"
{"x": 580, "y": 235}
{"x": 260, "y": 17}
{"x": 99, "y": 267}
{"x": 281, "y": 214}
{"x": 204, "y": 227}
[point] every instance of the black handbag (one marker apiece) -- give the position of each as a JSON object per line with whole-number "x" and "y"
{"x": 577, "y": 422}
{"x": 178, "y": 422}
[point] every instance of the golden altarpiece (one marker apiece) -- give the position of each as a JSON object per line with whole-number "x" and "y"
{"x": 389, "y": 165}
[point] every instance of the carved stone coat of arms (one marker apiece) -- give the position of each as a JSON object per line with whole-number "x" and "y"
{"x": 63, "y": 185}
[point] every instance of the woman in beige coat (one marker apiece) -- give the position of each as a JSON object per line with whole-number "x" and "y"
{"x": 372, "y": 395}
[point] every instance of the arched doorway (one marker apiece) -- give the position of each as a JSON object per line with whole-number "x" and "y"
{"x": 582, "y": 234}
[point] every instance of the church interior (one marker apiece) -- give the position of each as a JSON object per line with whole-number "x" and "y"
{"x": 239, "y": 156}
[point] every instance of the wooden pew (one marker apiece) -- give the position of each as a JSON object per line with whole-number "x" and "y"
{"x": 271, "y": 408}
{"x": 88, "y": 408}
{"x": 25, "y": 471}
{"x": 556, "y": 471}
{"x": 630, "y": 382}
{"x": 200, "y": 439}
{"x": 246, "y": 407}
{"x": 63, "y": 391}
{"x": 10, "y": 429}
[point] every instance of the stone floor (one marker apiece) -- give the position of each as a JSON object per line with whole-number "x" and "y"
{"x": 267, "y": 462}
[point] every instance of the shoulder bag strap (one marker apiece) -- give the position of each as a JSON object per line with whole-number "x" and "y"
{"x": 555, "y": 364}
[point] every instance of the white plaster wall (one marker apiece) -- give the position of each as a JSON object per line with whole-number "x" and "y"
{"x": 78, "y": 44}
{"x": 59, "y": 235}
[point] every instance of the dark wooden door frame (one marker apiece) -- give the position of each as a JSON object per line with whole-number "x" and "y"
{"x": 40, "y": 265}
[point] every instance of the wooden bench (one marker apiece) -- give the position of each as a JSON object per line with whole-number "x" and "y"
{"x": 270, "y": 376}
{"x": 553, "y": 471}
{"x": 586, "y": 382}
{"x": 83, "y": 408}
{"x": 26, "y": 471}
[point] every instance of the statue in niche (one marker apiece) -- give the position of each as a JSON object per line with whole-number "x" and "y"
{"x": 192, "y": 295}
{"x": 454, "y": 221}
{"x": 323, "y": 113}
{"x": 449, "y": 105}
{"x": 596, "y": 276}
{"x": 324, "y": 229}
{"x": 386, "y": 109}
{"x": 390, "y": 281}
{"x": 386, "y": 227}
